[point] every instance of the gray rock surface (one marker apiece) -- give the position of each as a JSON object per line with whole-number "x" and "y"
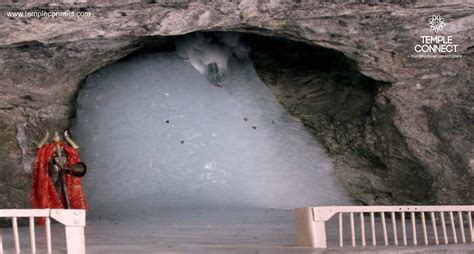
{"x": 407, "y": 139}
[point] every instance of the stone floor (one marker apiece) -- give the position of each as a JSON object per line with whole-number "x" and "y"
{"x": 237, "y": 231}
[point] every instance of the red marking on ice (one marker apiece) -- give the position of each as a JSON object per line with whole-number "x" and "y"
{"x": 218, "y": 85}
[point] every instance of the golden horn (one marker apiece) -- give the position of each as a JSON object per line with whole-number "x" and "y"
{"x": 69, "y": 140}
{"x": 43, "y": 141}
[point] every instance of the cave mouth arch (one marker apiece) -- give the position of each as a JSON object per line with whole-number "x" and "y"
{"x": 308, "y": 65}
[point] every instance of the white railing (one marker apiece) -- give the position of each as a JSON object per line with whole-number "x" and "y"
{"x": 311, "y": 224}
{"x": 74, "y": 221}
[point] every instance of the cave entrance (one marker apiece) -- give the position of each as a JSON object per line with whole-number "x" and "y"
{"x": 195, "y": 135}
{"x": 195, "y": 128}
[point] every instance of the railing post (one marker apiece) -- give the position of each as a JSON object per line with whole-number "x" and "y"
{"x": 310, "y": 233}
{"x": 74, "y": 221}
{"x": 49, "y": 247}
{"x": 1, "y": 241}
{"x": 341, "y": 233}
{"x": 75, "y": 240}
{"x": 353, "y": 238}
{"x": 32, "y": 234}
{"x": 16, "y": 235}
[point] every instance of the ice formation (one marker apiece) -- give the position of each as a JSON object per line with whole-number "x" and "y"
{"x": 156, "y": 134}
{"x": 209, "y": 53}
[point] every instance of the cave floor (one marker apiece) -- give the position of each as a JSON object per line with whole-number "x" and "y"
{"x": 256, "y": 231}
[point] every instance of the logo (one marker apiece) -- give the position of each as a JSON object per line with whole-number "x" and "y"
{"x": 436, "y": 23}
{"x": 434, "y": 45}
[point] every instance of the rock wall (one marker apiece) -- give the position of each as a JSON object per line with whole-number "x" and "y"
{"x": 416, "y": 115}
{"x": 339, "y": 105}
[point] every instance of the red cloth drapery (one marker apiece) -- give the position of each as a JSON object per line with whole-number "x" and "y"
{"x": 43, "y": 192}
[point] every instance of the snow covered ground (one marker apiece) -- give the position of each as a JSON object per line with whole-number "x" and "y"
{"x": 157, "y": 135}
